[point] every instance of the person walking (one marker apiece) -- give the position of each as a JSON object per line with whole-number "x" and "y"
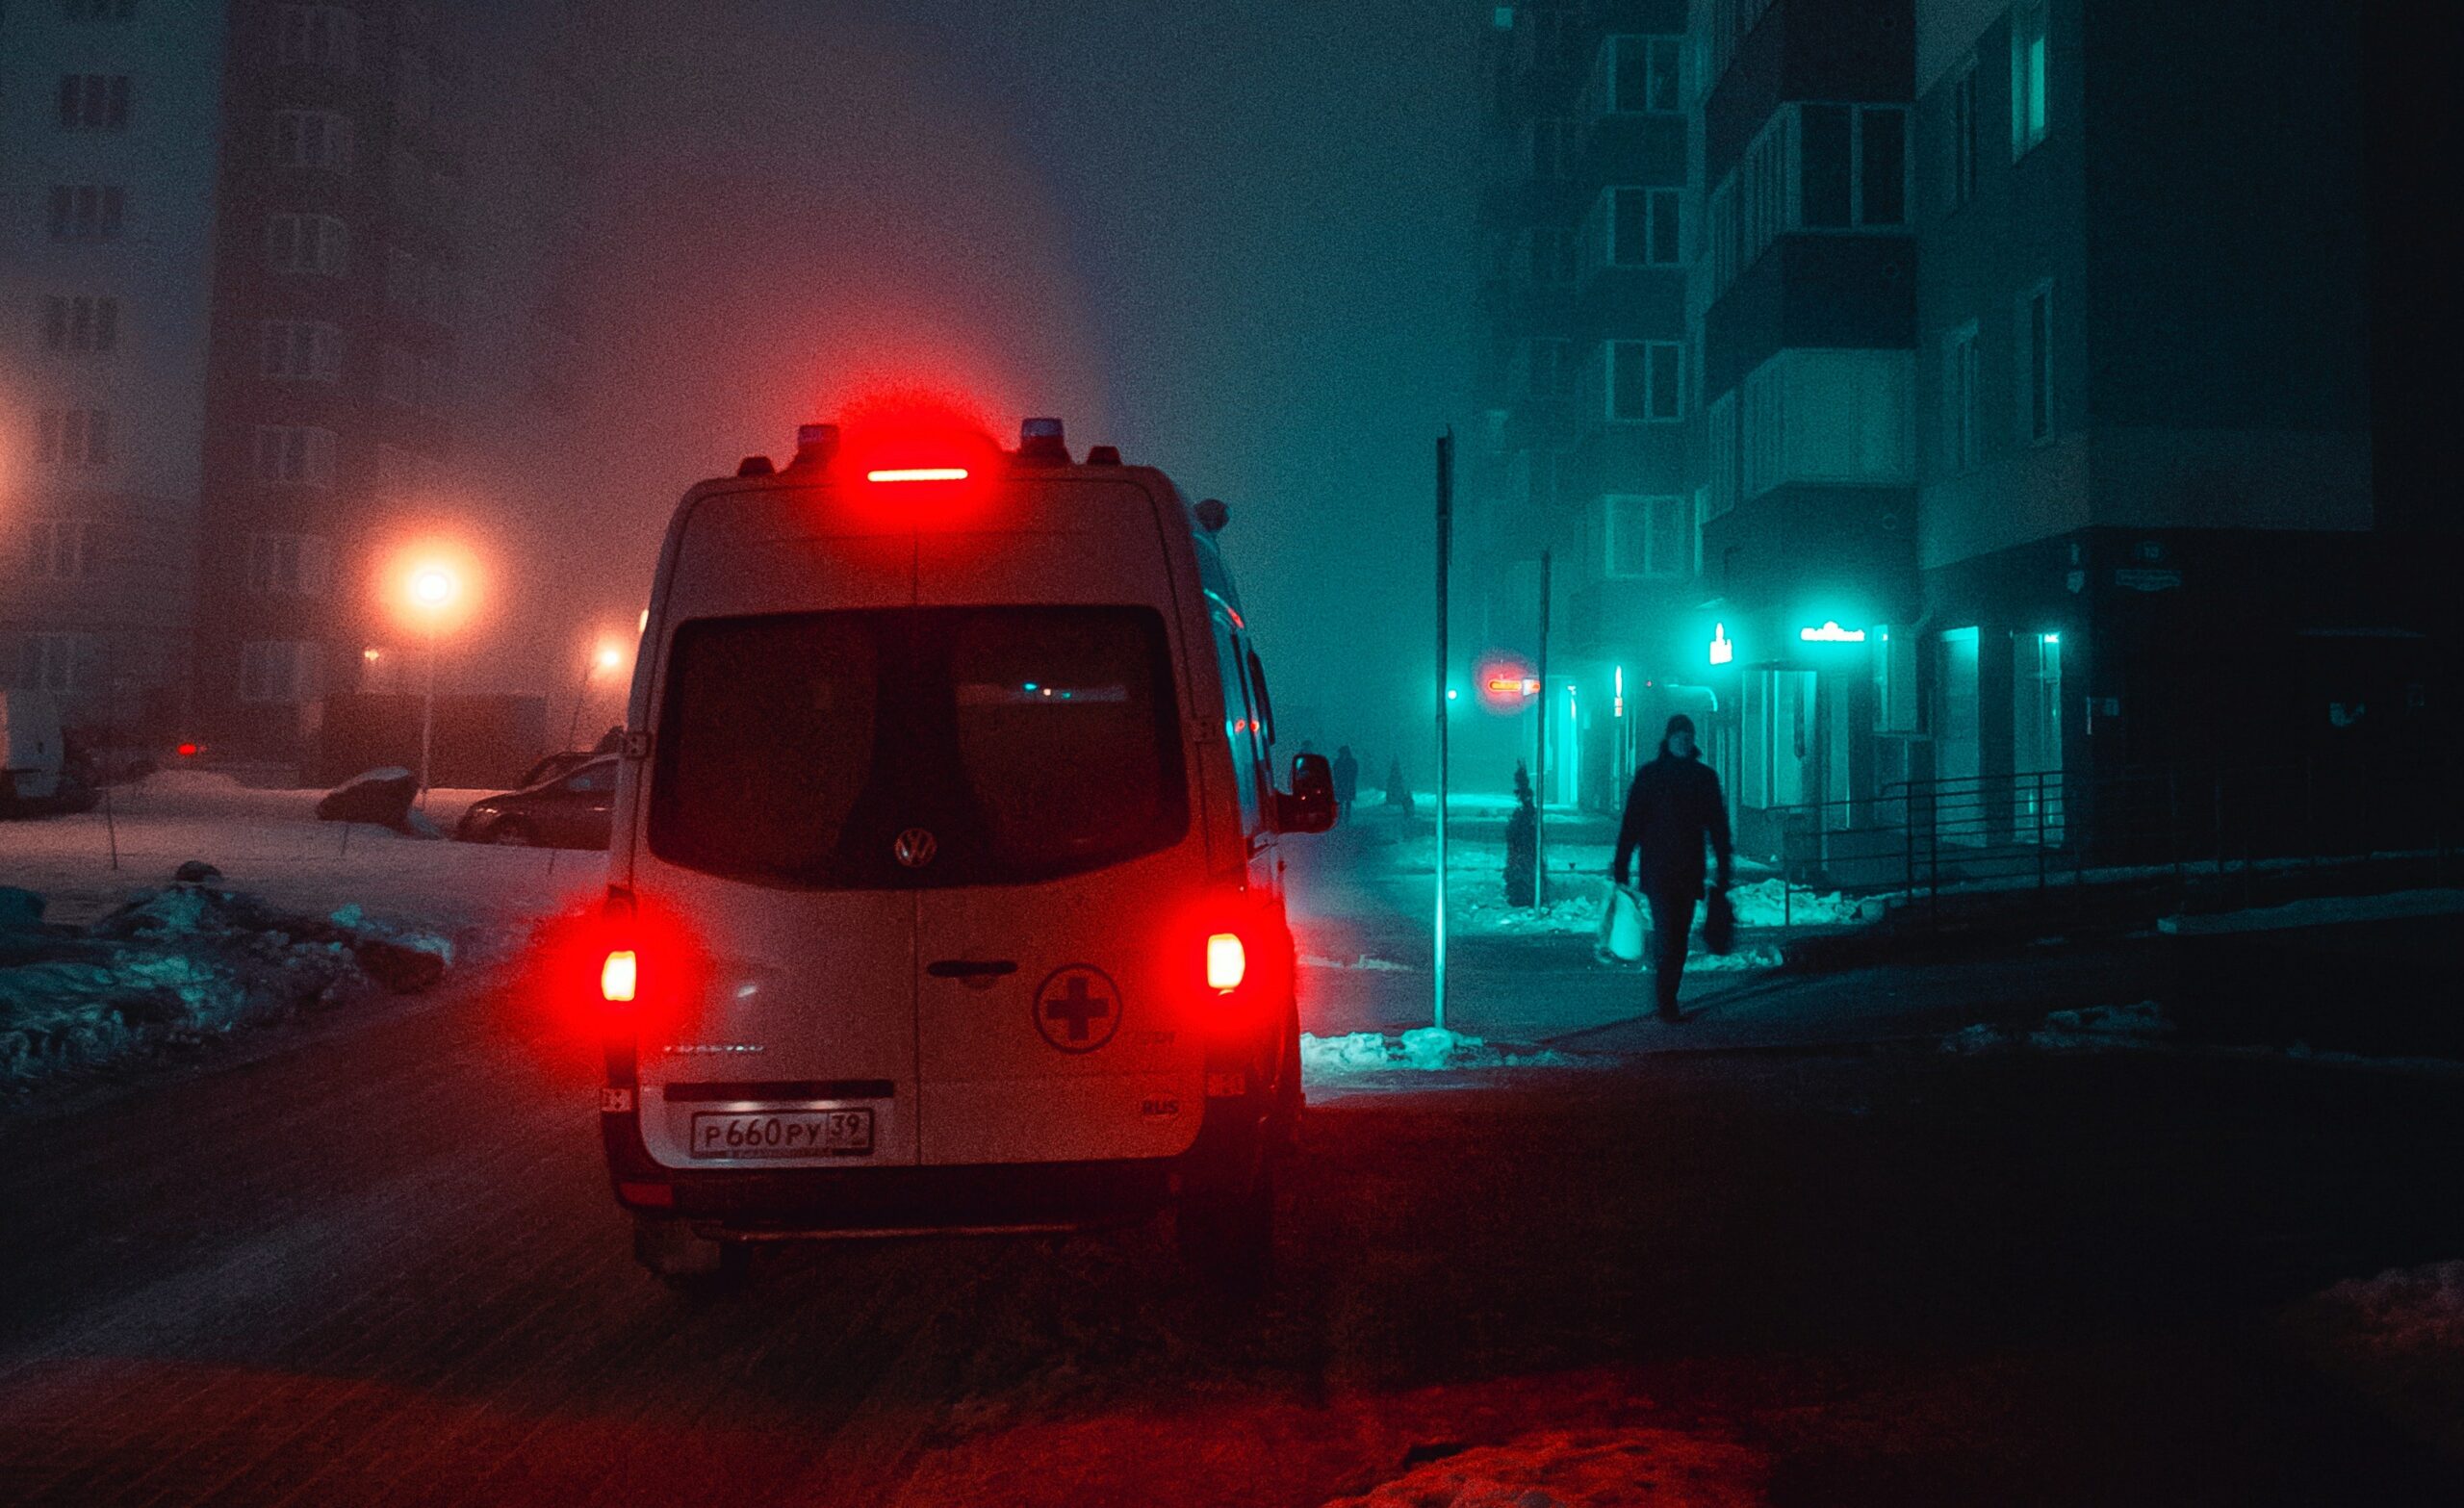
{"x": 1347, "y": 773}
{"x": 1673, "y": 808}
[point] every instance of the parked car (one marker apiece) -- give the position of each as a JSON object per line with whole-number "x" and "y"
{"x": 568, "y": 810}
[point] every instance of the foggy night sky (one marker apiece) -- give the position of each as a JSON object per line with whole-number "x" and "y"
{"x": 1233, "y": 239}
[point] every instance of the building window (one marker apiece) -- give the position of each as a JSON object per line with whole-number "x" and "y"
{"x": 1551, "y": 255}
{"x": 79, "y": 322}
{"x": 1963, "y": 164}
{"x": 307, "y": 243}
{"x": 1721, "y": 441}
{"x": 1852, "y": 167}
{"x": 295, "y": 454}
{"x": 398, "y": 377}
{"x": 56, "y": 550}
{"x": 55, "y": 662}
{"x": 1551, "y": 40}
{"x": 1543, "y": 369}
{"x": 2036, "y": 737}
{"x": 412, "y": 93}
{"x": 1829, "y": 417}
{"x": 2035, "y": 363}
{"x": 94, "y": 102}
{"x": 1894, "y": 662}
{"x": 402, "y": 280}
{"x": 312, "y": 139}
{"x": 1962, "y": 446}
{"x": 278, "y": 671}
{"x": 1634, "y": 227}
{"x": 286, "y": 565}
{"x": 1555, "y": 148}
{"x": 1646, "y": 381}
{"x": 73, "y": 437}
{"x": 2028, "y": 70}
{"x": 86, "y": 211}
{"x": 317, "y": 36}
{"x": 301, "y": 350}
{"x": 1645, "y": 536}
{"x": 1638, "y": 75}
{"x": 436, "y": 297}
{"x": 397, "y": 474}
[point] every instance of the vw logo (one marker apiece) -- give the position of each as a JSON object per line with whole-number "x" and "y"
{"x": 914, "y": 848}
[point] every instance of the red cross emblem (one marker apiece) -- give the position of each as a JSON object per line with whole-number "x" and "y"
{"x": 1077, "y": 1009}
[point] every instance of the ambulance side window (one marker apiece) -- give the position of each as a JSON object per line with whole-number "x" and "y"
{"x": 1266, "y": 705}
{"x": 1238, "y": 720}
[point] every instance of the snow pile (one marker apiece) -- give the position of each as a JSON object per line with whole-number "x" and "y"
{"x": 2396, "y": 1338}
{"x": 1427, "y": 1049}
{"x": 2401, "y": 1309}
{"x": 1365, "y": 963}
{"x": 183, "y": 965}
{"x": 2140, "y": 1025}
{"x": 1593, "y": 1468}
{"x": 1775, "y": 903}
{"x": 1574, "y": 916}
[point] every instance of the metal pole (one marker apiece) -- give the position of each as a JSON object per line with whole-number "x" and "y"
{"x": 1445, "y": 550}
{"x": 573, "y": 730}
{"x": 1540, "y": 761}
{"x": 428, "y": 718}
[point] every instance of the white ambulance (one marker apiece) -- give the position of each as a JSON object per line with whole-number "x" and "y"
{"x": 943, "y": 892}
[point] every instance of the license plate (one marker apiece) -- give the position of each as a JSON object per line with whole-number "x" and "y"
{"x": 785, "y": 1132}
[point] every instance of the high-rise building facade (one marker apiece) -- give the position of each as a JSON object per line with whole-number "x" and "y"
{"x": 1587, "y": 382}
{"x": 2026, "y": 434}
{"x": 111, "y": 119}
{"x": 266, "y": 320}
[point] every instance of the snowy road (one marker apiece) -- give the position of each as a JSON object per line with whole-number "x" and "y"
{"x": 380, "y": 1265}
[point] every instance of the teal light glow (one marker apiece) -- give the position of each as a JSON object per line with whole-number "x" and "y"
{"x": 1832, "y": 633}
{"x": 1723, "y": 650}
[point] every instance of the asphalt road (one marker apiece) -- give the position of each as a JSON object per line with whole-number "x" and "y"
{"x": 380, "y": 1265}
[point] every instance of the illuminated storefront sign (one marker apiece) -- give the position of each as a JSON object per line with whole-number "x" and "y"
{"x": 1723, "y": 649}
{"x": 1832, "y": 633}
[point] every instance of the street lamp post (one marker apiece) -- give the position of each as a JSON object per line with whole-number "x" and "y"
{"x": 604, "y": 657}
{"x": 433, "y": 589}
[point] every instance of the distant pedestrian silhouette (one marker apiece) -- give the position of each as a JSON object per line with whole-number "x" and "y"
{"x": 1347, "y": 773}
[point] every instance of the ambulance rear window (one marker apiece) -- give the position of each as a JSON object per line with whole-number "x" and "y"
{"x": 1030, "y": 742}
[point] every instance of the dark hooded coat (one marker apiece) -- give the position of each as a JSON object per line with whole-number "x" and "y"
{"x": 1672, "y": 809}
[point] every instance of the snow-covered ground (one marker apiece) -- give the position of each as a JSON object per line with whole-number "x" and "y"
{"x": 270, "y": 844}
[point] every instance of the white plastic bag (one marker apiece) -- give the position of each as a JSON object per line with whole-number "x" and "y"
{"x": 1620, "y": 924}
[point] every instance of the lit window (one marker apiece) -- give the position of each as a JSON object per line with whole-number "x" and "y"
{"x": 2028, "y": 69}
{"x": 2035, "y": 363}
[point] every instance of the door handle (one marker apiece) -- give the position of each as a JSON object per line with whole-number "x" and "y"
{"x": 970, "y": 968}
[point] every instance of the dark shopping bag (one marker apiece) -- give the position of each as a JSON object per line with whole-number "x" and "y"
{"x": 1719, "y": 921}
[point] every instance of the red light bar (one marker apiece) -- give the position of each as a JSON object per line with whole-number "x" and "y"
{"x": 918, "y": 474}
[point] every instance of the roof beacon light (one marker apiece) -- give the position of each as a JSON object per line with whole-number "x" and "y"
{"x": 1042, "y": 440}
{"x": 815, "y": 445}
